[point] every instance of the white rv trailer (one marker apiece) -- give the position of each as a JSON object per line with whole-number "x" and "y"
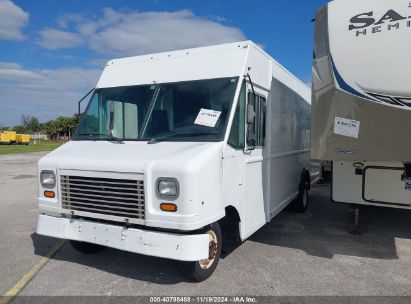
{"x": 174, "y": 145}
{"x": 361, "y": 104}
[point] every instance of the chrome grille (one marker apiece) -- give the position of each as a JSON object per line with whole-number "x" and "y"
{"x": 114, "y": 197}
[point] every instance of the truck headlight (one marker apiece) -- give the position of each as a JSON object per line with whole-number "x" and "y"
{"x": 168, "y": 188}
{"x": 47, "y": 179}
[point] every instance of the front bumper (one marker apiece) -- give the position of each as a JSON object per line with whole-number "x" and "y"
{"x": 174, "y": 246}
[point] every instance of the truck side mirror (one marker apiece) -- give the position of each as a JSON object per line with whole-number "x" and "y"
{"x": 250, "y": 124}
{"x": 111, "y": 116}
{"x": 251, "y": 142}
{"x": 250, "y": 113}
{"x": 406, "y": 177}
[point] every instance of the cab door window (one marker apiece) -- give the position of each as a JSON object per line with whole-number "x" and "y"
{"x": 258, "y": 127}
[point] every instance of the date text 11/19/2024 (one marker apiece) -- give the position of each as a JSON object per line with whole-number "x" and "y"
{"x": 203, "y": 299}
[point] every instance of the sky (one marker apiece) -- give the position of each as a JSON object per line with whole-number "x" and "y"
{"x": 53, "y": 51}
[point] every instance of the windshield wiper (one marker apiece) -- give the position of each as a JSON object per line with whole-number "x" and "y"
{"x": 108, "y": 136}
{"x": 165, "y": 137}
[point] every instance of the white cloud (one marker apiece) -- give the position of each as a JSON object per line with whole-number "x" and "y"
{"x": 9, "y": 65}
{"x": 132, "y": 33}
{"x": 12, "y": 74}
{"x": 12, "y": 20}
{"x": 45, "y": 93}
{"x": 53, "y": 39}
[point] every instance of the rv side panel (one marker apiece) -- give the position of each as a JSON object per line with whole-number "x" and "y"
{"x": 361, "y": 105}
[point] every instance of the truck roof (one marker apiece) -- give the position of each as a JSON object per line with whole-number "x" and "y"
{"x": 216, "y": 61}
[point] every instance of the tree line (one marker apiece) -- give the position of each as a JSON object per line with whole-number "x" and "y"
{"x": 61, "y": 128}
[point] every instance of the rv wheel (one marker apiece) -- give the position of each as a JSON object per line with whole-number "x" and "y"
{"x": 202, "y": 270}
{"x": 87, "y": 248}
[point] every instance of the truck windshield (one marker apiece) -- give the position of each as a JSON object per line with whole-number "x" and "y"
{"x": 183, "y": 111}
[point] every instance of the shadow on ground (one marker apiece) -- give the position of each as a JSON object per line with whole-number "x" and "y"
{"x": 326, "y": 229}
{"x": 122, "y": 263}
{"x": 323, "y": 231}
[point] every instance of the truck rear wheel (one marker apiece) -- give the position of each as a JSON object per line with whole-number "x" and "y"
{"x": 202, "y": 270}
{"x": 87, "y": 248}
{"x": 300, "y": 203}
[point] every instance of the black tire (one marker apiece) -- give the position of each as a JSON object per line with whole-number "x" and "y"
{"x": 87, "y": 248}
{"x": 301, "y": 202}
{"x": 201, "y": 270}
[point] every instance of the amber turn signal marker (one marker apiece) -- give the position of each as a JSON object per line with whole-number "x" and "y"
{"x": 49, "y": 194}
{"x": 168, "y": 207}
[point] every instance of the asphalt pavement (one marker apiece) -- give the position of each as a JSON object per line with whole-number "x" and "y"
{"x": 311, "y": 254}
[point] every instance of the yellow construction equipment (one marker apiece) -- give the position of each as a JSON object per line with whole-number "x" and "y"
{"x": 23, "y": 139}
{"x": 12, "y": 135}
{"x": 5, "y": 138}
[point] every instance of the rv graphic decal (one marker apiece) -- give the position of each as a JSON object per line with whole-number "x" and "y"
{"x": 366, "y": 23}
{"x": 392, "y": 100}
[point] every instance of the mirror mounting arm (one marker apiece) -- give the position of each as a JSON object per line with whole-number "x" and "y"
{"x": 251, "y": 82}
{"x": 84, "y": 97}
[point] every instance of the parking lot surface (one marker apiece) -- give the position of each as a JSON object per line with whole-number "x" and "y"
{"x": 311, "y": 254}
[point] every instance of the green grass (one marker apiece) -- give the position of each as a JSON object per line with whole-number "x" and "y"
{"x": 38, "y": 147}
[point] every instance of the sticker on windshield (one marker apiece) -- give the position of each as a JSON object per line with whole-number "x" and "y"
{"x": 207, "y": 118}
{"x": 346, "y": 127}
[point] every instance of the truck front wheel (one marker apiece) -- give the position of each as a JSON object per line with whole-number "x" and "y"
{"x": 87, "y": 248}
{"x": 202, "y": 270}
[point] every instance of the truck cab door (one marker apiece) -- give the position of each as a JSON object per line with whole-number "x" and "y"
{"x": 256, "y": 212}
{"x": 244, "y": 163}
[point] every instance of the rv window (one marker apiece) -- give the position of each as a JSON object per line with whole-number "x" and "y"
{"x": 237, "y": 134}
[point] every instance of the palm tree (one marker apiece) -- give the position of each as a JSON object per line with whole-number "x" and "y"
{"x": 72, "y": 124}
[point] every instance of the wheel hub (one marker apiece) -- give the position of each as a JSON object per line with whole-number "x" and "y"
{"x": 212, "y": 251}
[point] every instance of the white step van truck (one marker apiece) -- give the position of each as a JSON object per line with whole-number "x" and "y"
{"x": 361, "y": 102}
{"x": 176, "y": 150}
